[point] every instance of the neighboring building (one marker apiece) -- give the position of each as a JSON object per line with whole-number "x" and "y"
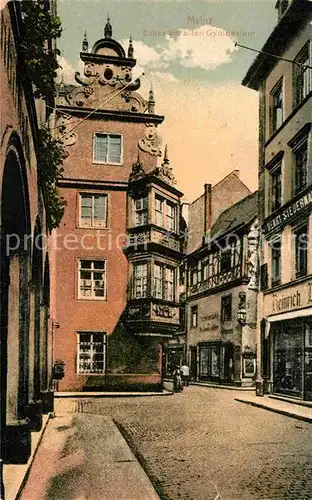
{"x": 118, "y": 246}
{"x": 26, "y": 370}
{"x": 285, "y": 202}
{"x": 221, "y": 288}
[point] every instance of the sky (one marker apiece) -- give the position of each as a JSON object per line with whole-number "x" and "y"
{"x": 186, "y": 50}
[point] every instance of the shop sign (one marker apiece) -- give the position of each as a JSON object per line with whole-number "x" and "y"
{"x": 209, "y": 325}
{"x": 289, "y": 299}
{"x": 293, "y": 209}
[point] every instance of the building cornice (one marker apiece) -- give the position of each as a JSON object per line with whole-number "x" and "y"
{"x": 124, "y": 116}
{"x": 284, "y": 32}
{"x": 92, "y": 183}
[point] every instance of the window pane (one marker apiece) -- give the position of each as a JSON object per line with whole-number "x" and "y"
{"x": 100, "y": 150}
{"x": 114, "y": 149}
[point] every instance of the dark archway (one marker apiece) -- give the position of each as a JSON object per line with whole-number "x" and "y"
{"x": 14, "y": 266}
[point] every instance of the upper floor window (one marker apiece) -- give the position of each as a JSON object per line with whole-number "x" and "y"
{"x": 91, "y": 352}
{"x": 277, "y": 105}
{"x": 159, "y": 211}
{"x": 300, "y": 155}
{"x": 302, "y": 75}
{"x": 194, "y": 316}
{"x": 171, "y": 217}
{"x": 107, "y": 148}
{"x": 92, "y": 279}
{"x": 93, "y": 210}
{"x": 276, "y": 262}
{"x": 226, "y": 259}
{"x": 140, "y": 280}
{"x": 276, "y": 188}
{"x": 226, "y": 308}
{"x": 301, "y": 250}
{"x": 165, "y": 213}
{"x": 141, "y": 211}
{"x": 164, "y": 282}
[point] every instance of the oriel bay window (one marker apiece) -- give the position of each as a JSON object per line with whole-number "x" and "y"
{"x": 107, "y": 148}
{"x": 140, "y": 280}
{"x": 93, "y": 210}
{"x": 91, "y": 352}
{"x": 92, "y": 279}
{"x": 163, "y": 282}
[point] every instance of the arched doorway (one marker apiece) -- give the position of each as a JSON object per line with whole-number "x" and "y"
{"x": 14, "y": 322}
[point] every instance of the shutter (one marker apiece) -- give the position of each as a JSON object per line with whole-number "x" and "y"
{"x": 114, "y": 149}
{"x": 100, "y": 152}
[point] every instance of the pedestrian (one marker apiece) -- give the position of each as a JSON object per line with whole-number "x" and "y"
{"x": 185, "y": 372}
{"x": 177, "y": 381}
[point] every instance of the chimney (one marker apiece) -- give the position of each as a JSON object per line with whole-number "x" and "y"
{"x": 207, "y": 209}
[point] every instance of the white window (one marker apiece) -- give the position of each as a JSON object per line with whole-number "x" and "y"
{"x": 277, "y": 106}
{"x": 302, "y": 75}
{"x": 141, "y": 212}
{"x": 93, "y": 210}
{"x": 169, "y": 283}
{"x": 165, "y": 214}
{"x": 140, "y": 280}
{"x": 158, "y": 281}
{"x": 171, "y": 217}
{"x": 91, "y": 352}
{"x": 164, "y": 282}
{"x": 107, "y": 148}
{"x": 92, "y": 279}
{"x": 159, "y": 211}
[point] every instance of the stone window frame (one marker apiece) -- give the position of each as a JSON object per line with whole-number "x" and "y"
{"x": 107, "y": 162}
{"x": 92, "y": 270}
{"x": 91, "y": 351}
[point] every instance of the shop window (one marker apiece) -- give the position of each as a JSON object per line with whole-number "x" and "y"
{"x": 301, "y": 250}
{"x": 93, "y": 210}
{"x": 194, "y": 316}
{"x": 140, "y": 280}
{"x": 91, "y": 352}
{"x": 277, "y": 105}
{"x": 107, "y": 148}
{"x": 141, "y": 211}
{"x": 276, "y": 262}
{"x": 288, "y": 360}
{"x": 92, "y": 279}
{"x": 302, "y": 75}
{"x": 226, "y": 308}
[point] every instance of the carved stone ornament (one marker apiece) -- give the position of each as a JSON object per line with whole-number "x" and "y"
{"x": 96, "y": 86}
{"x": 152, "y": 141}
{"x": 165, "y": 173}
{"x": 253, "y": 259}
{"x": 137, "y": 171}
{"x": 63, "y": 124}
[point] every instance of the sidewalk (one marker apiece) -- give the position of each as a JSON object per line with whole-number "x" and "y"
{"x": 288, "y": 408}
{"x": 97, "y": 394}
{"x": 14, "y": 475}
{"x": 82, "y": 457}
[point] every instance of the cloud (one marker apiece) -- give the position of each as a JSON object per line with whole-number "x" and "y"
{"x": 162, "y": 77}
{"x": 206, "y": 47}
{"x": 67, "y": 71}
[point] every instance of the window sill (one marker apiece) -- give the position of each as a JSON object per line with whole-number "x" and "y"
{"x": 107, "y": 163}
{"x": 80, "y": 226}
{"x": 88, "y": 299}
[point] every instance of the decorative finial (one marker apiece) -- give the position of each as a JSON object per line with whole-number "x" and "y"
{"x": 151, "y": 102}
{"x": 130, "y": 48}
{"x": 85, "y": 43}
{"x": 108, "y": 31}
{"x": 166, "y": 160}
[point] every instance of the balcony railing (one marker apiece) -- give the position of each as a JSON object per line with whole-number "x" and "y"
{"x": 216, "y": 280}
{"x": 152, "y": 235}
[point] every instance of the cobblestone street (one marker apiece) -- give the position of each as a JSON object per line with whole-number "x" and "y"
{"x": 202, "y": 445}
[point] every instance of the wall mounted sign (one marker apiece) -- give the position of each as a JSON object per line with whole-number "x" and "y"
{"x": 289, "y": 212}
